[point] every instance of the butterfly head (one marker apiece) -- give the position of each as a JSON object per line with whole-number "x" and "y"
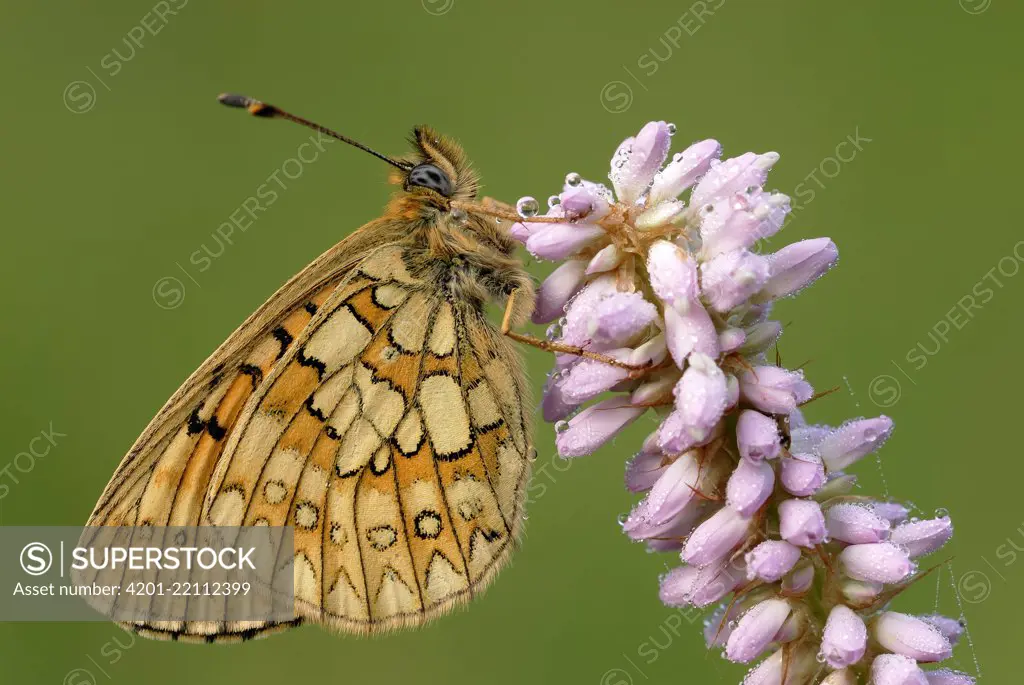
{"x": 440, "y": 169}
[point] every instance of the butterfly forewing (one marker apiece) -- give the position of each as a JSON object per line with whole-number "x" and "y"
{"x": 383, "y": 418}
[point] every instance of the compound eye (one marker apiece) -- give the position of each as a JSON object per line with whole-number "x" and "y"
{"x": 429, "y": 176}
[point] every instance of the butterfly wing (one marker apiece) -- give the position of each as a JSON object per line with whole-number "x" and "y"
{"x": 381, "y": 418}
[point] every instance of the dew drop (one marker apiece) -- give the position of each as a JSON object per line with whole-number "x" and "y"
{"x": 459, "y": 215}
{"x": 561, "y": 426}
{"x": 707, "y": 209}
{"x": 753, "y": 190}
{"x": 554, "y": 201}
{"x": 941, "y": 512}
{"x": 527, "y": 207}
{"x": 671, "y": 129}
{"x": 573, "y": 179}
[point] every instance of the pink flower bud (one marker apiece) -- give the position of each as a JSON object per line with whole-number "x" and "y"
{"x": 923, "y": 537}
{"x": 950, "y": 628}
{"x": 740, "y": 220}
{"x": 911, "y": 637}
{"x": 945, "y": 676}
{"x": 760, "y": 337}
{"x": 771, "y": 560}
{"x": 606, "y": 259}
{"x": 660, "y": 215}
{"x": 729, "y": 279}
{"x": 756, "y": 630}
{"x": 700, "y": 400}
{"x": 638, "y": 159}
{"x": 895, "y": 669}
{"x": 692, "y": 331}
{"x": 731, "y": 176}
{"x": 557, "y": 289}
{"x": 673, "y": 490}
{"x": 757, "y": 435}
{"x": 855, "y": 524}
{"x": 774, "y": 390}
{"x": 802, "y": 474}
{"x": 893, "y": 512}
{"x": 796, "y": 266}
{"x": 800, "y": 579}
{"x": 673, "y": 274}
{"x": 731, "y": 339}
{"x": 684, "y": 169}
{"x": 588, "y": 378}
{"x": 644, "y": 469}
{"x": 880, "y": 562}
{"x": 716, "y": 537}
{"x": 796, "y": 665}
{"x": 841, "y": 677}
{"x": 699, "y": 586}
{"x": 845, "y": 638}
{"x": 559, "y": 241}
{"x": 853, "y": 440}
{"x": 554, "y": 406}
{"x": 861, "y": 593}
{"x": 801, "y": 522}
{"x": 620, "y": 317}
{"x": 750, "y": 486}
{"x": 595, "y": 425}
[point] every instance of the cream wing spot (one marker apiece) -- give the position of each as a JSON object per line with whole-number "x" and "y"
{"x": 442, "y": 335}
{"x": 381, "y": 537}
{"x": 443, "y": 580}
{"x": 357, "y": 447}
{"x": 389, "y": 295}
{"x": 382, "y": 404}
{"x": 327, "y": 396}
{"x": 387, "y": 264}
{"x": 344, "y": 414}
{"x": 228, "y": 507}
{"x": 381, "y": 459}
{"x": 444, "y": 414}
{"x": 306, "y": 515}
{"x": 482, "y": 406}
{"x": 274, "y": 491}
{"x": 344, "y": 600}
{"x": 409, "y": 324}
{"x": 409, "y": 434}
{"x": 338, "y": 340}
{"x": 307, "y": 586}
{"x": 394, "y": 596}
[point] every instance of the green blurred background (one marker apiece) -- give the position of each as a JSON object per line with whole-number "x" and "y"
{"x": 113, "y": 179}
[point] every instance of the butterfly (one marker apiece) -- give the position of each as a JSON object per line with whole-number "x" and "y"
{"x": 369, "y": 403}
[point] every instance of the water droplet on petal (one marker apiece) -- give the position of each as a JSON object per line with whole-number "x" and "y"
{"x": 573, "y": 179}
{"x": 561, "y": 426}
{"x": 671, "y": 129}
{"x": 527, "y": 207}
{"x": 554, "y": 201}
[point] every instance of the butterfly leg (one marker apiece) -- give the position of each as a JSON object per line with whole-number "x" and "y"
{"x": 556, "y": 347}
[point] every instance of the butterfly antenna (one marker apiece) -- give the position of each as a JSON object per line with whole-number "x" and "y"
{"x": 262, "y": 109}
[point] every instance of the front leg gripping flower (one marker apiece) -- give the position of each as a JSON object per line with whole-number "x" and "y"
{"x": 755, "y": 500}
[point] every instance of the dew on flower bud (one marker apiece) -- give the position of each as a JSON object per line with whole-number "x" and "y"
{"x": 554, "y": 332}
{"x": 707, "y": 209}
{"x": 573, "y": 179}
{"x": 671, "y": 129}
{"x": 941, "y": 512}
{"x": 752, "y": 190}
{"x": 554, "y": 201}
{"x": 561, "y": 426}
{"x": 527, "y": 207}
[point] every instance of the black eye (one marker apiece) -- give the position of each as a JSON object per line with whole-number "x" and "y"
{"x": 429, "y": 176}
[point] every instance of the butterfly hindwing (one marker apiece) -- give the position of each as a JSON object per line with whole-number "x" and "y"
{"x": 384, "y": 420}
